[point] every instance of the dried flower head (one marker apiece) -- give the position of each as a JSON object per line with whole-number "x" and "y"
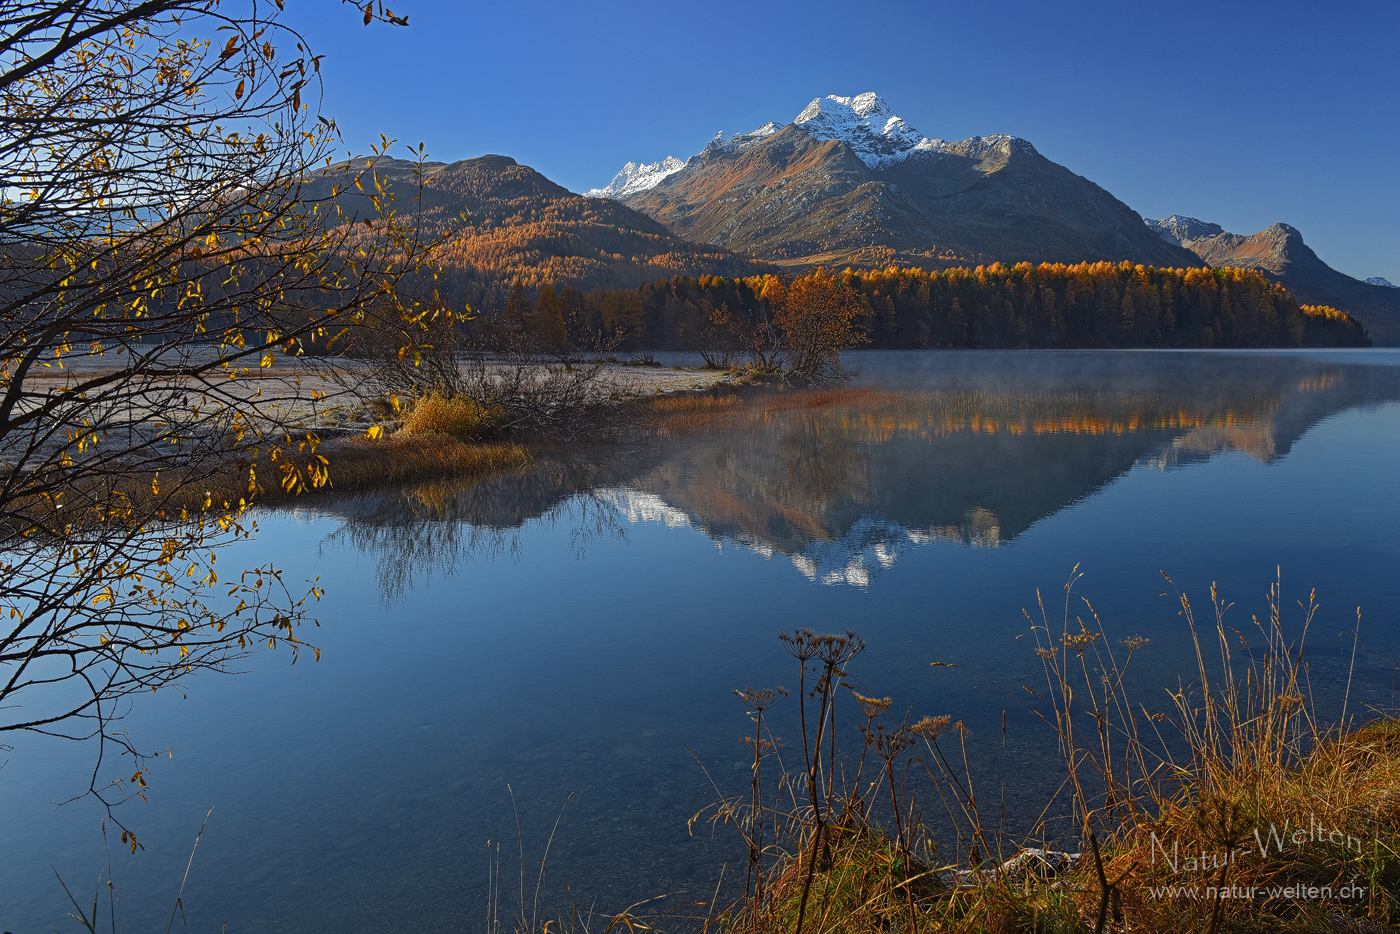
{"x": 930, "y": 728}
{"x": 872, "y": 707}
{"x": 1081, "y": 640}
{"x": 889, "y": 744}
{"x": 757, "y": 700}
{"x": 801, "y": 644}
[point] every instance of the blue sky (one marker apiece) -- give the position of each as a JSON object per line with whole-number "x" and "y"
{"x": 1244, "y": 114}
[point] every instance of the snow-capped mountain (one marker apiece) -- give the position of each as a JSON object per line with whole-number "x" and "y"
{"x": 849, "y": 181}
{"x": 863, "y": 122}
{"x": 1383, "y": 281}
{"x": 1180, "y": 229}
{"x": 636, "y": 177}
{"x": 879, "y": 137}
{"x": 736, "y": 142}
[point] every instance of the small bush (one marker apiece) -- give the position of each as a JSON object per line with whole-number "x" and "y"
{"x": 457, "y": 416}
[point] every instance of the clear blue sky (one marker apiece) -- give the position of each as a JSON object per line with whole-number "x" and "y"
{"x": 1244, "y": 114}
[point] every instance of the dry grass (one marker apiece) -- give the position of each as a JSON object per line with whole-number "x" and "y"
{"x": 361, "y": 463}
{"x": 1235, "y": 809}
{"x": 680, "y": 413}
{"x": 689, "y": 403}
{"x": 457, "y": 416}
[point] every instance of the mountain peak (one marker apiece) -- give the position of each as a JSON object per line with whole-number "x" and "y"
{"x": 1280, "y": 252}
{"x": 1382, "y": 281}
{"x": 865, "y": 123}
{"x": 636, "y": 177}
{"x": 868, "y": 106}
{"x": 1180, "y": 229}
{"x": 733, "y": 142}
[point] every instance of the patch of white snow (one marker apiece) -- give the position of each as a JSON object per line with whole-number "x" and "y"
{"x": 636, "y": 177}
{"x": 880, "y": 137}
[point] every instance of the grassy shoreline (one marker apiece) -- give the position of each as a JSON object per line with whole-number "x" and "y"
{"x": 1237, "y": 807}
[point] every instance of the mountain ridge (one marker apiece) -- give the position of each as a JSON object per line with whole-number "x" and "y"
{"x": 520, "y": 225}
{"x": 1280, "y": 252}
{"x": 850, "y": 182}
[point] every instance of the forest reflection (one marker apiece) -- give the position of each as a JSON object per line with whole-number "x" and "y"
{"x": 841, "y": 482}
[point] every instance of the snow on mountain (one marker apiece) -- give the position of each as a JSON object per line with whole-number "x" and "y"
{"x": 864, "y": 122}
{"x": 634, "y": 178}
{"x": 734, "y": 142}
{"x": 879, "y": 136}
{"x": 1382, "y": 280}
{"x": 1180, "y": 230}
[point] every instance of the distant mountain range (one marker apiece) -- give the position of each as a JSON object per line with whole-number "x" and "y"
{"x": 1280, "y": 253}
{"x": 520, "y": 225}
{"x": 849, "y": 181}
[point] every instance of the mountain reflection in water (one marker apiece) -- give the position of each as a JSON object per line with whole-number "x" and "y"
{"x": 971, "y": 449}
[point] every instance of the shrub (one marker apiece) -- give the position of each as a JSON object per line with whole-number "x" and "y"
{"x": 457, "y": 416}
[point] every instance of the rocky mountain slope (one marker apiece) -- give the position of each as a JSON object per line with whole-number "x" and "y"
{"x": 521, "y": 225}
{"x": 849, "y": 181}
{"x": 1280, "y": 253}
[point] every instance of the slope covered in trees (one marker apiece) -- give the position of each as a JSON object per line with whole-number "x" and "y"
{"x": 1098, "y": 305}
{"x": 1279, "y": 252}
{"x": 511, "y": 223}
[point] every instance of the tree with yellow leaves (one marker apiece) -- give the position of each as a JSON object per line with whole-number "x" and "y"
{"x": 158, "y": 255}
{"x": 817, "y": 316}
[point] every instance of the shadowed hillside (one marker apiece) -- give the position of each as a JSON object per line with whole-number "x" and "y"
{"x": 520, "y": 225}
{"x": 1280, "y": 253}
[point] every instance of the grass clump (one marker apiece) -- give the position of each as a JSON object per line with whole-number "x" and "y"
{"x": 362, "y": 464}
{"x": 460, "y": 417}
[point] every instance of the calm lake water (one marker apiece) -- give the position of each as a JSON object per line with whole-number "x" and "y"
{"x": 581, "y": 630}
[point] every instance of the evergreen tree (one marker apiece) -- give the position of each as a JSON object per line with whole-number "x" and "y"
{"x": 547, "y": 323}
{"x": 517, "y": 307}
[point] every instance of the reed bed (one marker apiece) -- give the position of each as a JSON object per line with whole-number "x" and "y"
{"x": 361, "y": 463}
{"x": 1236, "y": 807}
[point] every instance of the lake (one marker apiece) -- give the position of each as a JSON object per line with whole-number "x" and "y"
{"x": 491, "y": 650}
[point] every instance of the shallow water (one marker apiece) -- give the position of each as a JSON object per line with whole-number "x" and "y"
{"x": 581, "y": 630}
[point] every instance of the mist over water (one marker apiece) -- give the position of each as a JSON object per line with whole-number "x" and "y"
{"x": 575, "y": 629}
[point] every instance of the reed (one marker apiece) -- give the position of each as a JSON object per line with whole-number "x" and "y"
{"x": 1236, "y": 807}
